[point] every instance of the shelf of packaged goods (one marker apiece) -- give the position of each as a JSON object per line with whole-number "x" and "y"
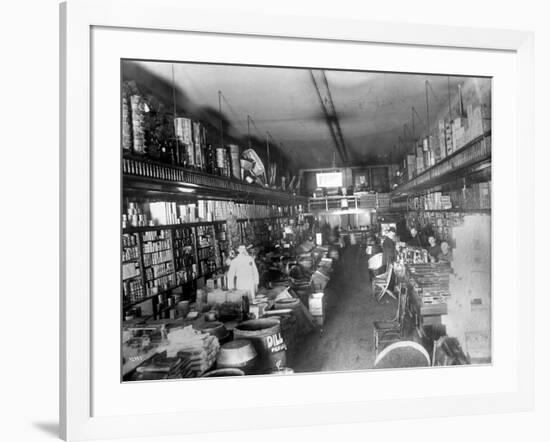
{"x": 267, "y": 218}
{"x": 147, "y": 177}
{"x": 147, "y": 298}
{"x": 473, "y": 158}
{"x": 159, "y": 276}
{"x": 451, "y": 210}
{"x": 157, "y": 263}
{"x": 131, "y": 277}
{"x": 165, "y": 309}
{"x": 140, "y": 301}
{"x": 157, "y": 251}
{"x": 169, "y": 226}
{"x": 155, "y": 240}
{"x": 205, "y": 275}
{"x": 205, "y": 247}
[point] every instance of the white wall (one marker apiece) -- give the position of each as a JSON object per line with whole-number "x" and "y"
{"x": 29, "y": 286}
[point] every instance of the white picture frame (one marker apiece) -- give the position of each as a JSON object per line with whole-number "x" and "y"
{"x": 78, "y": 420}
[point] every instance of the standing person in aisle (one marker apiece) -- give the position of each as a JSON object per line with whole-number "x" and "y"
{"x": 388, "y": 247}
{"x": 243, "y": 273}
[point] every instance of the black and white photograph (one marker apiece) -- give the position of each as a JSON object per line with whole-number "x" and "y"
{"x": 282, "y": 220}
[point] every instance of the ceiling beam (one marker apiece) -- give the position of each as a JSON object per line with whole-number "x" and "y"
{"x": 329, "y": 111}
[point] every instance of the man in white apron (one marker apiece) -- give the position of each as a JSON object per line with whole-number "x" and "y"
{"x": 243, "y": 273}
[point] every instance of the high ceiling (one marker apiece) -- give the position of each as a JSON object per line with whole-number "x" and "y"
{"x": 291, "y": 104}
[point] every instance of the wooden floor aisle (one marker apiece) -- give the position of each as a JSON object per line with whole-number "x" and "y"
{"x": 347, "y": 339}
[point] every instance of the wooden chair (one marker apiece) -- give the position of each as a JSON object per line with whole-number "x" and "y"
{"x": 386, "y": 332}
{"x": 381, "y": 283}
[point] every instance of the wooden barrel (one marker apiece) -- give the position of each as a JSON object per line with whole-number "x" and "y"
{"x": 284, "y": 371}
{"x": 267, "y": 339}
{"x": 239, "y": 353}
{"x": 214, "y": 328}
{"x": 291, "y": 303}
{"x": 222, "y": 372}
{"x": 288, "y": 330}
{"x": 403, "y": 354}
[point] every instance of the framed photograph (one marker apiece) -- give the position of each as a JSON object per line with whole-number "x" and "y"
{"x": 312, "y": 219}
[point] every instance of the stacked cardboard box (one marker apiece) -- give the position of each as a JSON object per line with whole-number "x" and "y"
{"x": 485, "y": 195}
{"x": 419, "y": 159}
{"x": 446, "y": 202}
{"x": 441, "y": 151}
{"x": 458, "y": 132}
{"x": 449, "y": 145}
{"x": 479, "y": 121}
{"x": 411, "y": 166}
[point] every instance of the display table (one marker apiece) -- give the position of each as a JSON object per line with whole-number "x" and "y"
{"x": 427, "y": 291}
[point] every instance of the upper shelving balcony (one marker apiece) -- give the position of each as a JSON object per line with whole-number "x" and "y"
{"x": 154, "y": 178}
{"x": 353, "y": 203}
{"x": 474, "y": 157}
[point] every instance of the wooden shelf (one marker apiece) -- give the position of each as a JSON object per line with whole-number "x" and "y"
{"x": 472, "y": 158}
{"x": 169, "y": 227}
{"x": 182, "y": 284}
{"x": 147, "y": 298}
{"x": 131, "y": 277}
{"x": 450, "y": 210}
{"x": 186, "y": 183}
{"x": 268, "y": 218}
{"x": 366, "y": 202}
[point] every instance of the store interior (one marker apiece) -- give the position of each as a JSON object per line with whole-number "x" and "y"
{"x": 282, "y": 221}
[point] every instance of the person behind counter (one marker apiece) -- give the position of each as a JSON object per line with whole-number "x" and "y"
{"x": 433, "y": 249}
{"x": 388, "y": 247}
{"x": 414, "y": 239}
{"x": 243, "y": 273}
{"x": 373, "y": 246}
{"x": 446, "y": 254}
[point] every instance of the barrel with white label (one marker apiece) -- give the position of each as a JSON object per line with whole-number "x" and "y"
{"x": 267, "y": 339}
